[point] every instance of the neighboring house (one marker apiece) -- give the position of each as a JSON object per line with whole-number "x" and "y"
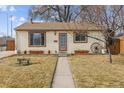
{"x": 121, "y": 38}
{"x": 121, "y": 41}
{"x": 118, "y": 46}
{"x": 55, "y": 37}
{"x": 3, "y": 42}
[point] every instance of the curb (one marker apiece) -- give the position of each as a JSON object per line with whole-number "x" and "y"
{"x": 54, "y": 72}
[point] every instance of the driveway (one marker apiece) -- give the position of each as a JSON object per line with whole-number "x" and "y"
{"x": 6, "y": 53}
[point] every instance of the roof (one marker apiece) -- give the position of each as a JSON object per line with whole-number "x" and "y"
{"x": 56, "y": 26}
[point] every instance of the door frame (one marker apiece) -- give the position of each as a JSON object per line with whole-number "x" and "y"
{"x": 65, "y": 42}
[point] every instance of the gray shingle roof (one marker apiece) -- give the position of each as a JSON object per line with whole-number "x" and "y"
{"x": 56, "y": 26}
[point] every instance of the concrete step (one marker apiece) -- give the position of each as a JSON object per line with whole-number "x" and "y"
{"x": 62, "y": 54}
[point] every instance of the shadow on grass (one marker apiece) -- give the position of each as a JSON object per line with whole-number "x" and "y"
{"x": 24, "y": 64}
{"x": 120, "y": 62}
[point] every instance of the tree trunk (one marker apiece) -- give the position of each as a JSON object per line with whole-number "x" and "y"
{"x": 110, "y": 56}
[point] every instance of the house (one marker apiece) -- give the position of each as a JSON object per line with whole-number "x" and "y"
{"x": 56, "y": 37}
{"x": 121, "y": 42}
{"x": 4, "y": 42}
{"x": 118, "y": 47}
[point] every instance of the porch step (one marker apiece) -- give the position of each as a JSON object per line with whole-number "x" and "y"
{"x": 62, "y": 54}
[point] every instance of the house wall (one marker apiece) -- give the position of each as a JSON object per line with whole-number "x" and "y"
{"x": 22, "y": 42}
{"x": 87, "y": 45}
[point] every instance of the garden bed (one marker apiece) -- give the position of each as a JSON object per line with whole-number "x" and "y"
{"x": 81, "y": 52}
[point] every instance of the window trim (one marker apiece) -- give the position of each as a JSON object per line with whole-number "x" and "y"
{"x": 74, "y": 38}
{"x": 29, "y": 35}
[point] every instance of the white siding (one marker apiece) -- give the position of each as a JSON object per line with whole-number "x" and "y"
{"x": 86, "y": 46}
{"x": 22, "y": 42}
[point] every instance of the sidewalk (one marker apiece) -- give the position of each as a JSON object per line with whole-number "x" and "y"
{"x": 6, "y": 53}
{"x": 63, "y": 76}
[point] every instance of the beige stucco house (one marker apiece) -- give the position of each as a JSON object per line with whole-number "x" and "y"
{"x": 55, "y": 37}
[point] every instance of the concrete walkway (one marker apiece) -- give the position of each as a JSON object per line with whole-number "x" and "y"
{"x": 63, "y": 76}
{"x": 6, "y": 53}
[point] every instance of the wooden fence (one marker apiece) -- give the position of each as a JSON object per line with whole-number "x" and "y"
{"x": 10, "y": 45}
{"x": 122, "y": 46}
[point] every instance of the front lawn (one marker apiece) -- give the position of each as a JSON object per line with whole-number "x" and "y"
{"x": 96, "y": 71}
{"x": 36, "y": 75}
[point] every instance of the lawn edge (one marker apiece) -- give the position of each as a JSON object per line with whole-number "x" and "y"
{"x": 75, "y": 84}
{"x": 8, "y": 56}
{"x": 53, "y": 73}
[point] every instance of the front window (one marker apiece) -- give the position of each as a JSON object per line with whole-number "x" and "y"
{"x": 37, "y": 39}
{"x": 80, "y": 37}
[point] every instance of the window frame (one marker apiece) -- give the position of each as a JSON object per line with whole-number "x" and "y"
{"x": 74, "y": 37}
{"x": 29, "y": 38}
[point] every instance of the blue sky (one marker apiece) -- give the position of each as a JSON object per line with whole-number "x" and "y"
{"x": 19, "y": 15}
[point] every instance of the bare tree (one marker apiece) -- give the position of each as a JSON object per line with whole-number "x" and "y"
{"x": 109, "y": 17}
{"x": 60, "y": 13}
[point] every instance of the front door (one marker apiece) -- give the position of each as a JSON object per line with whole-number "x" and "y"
{"x": 63, "y": 41}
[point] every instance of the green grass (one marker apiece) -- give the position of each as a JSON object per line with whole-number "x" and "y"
{"x": 96, "y": 71}
{"x": 36, "y": 75}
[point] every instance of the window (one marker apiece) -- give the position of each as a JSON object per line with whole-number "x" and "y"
{"x": 80, "y": 37}
{"x": 37, "y": 39}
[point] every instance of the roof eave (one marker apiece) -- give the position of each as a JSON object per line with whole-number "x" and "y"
{"x": 58, "y": 29}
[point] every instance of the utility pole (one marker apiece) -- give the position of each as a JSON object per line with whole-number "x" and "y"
{"x": 7, "y": 25}
{"x": 11, "y": 25}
